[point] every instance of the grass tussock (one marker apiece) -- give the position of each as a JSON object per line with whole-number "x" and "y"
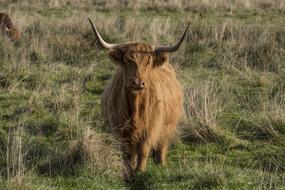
{"x": 206, "y": 100}
{"x": 268, "y": 121}
{"x": 98, "y": 153}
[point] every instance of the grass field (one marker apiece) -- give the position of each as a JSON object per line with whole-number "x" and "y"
{"x": 232, "y": 67}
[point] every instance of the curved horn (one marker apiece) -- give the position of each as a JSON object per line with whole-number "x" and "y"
{"x": 100, "y": 39}
{"x": 174, "y": 47}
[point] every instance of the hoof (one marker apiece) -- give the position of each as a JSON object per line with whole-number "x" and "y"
{"x": 129, "y": 179}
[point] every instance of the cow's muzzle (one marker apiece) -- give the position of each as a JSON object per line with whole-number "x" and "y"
{"x": 136, "y": 84}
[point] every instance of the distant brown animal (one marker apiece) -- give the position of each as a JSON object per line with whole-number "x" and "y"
{"x": 7, "y": 28}
{"x": 143, "y": 103}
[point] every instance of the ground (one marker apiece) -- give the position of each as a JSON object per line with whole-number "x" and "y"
{"x": 231, "y": 66}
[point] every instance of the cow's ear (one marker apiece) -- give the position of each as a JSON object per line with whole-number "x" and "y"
{"x": 160, "y": 59}
{"x": 117, "y": 56}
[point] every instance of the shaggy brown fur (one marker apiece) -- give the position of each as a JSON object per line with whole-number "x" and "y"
{"x": 143, "y": 119}
{"x": 7, "y": 28}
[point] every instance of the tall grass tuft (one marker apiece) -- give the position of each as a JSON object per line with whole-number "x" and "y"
{"x": 205, "y": 102}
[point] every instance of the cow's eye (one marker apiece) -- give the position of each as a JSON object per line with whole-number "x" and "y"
{"x": 127, "y": 63}
{"x": 130, "y": 62}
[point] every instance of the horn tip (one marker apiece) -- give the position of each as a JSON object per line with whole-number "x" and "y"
{"x": 188, "y": 25}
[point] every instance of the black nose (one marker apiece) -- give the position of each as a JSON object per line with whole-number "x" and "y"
{"x": 137, "y": 84}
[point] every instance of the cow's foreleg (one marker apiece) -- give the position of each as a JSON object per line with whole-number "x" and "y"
{"x": 134, "y": 156}
{"x": 160, "y": 153}
{"x": 128, "y": 173}
{"x": 130, "y": 157}
{"x": 143, "y": 153}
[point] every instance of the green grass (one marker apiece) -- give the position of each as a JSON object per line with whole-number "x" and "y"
{"x": 232, "y": 68}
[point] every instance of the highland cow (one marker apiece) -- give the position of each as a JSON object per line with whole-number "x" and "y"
{"x": 7, "y": 28}
{"x": 143, "y": 103}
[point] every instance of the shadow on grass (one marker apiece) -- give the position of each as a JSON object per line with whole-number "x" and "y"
{"x": 150, "y": 181}
{"x": 142, "y": 181}
{"x": 65, "y": 165}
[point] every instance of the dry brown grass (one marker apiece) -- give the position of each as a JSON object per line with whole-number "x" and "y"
{"x": 159, "y": 4}
{"x": 270, "y": 120}
{"x": 206, "y": 100}
{"x": 98, "y": 154}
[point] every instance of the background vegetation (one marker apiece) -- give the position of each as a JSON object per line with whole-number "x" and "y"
{"x": 232, "y": 66}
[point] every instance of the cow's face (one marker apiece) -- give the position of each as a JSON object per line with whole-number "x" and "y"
{"x": 137, "y": 62}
